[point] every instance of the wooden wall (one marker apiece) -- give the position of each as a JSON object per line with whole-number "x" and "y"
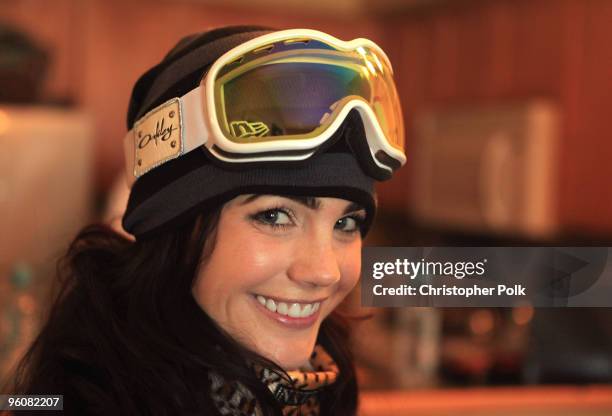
{"x": 452, "y": 53}
{"x": 492, "y": 51}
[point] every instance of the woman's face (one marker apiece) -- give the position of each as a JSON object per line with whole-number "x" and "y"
{"x": 280, "y": 265}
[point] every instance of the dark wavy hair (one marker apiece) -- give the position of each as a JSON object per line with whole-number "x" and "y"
{"x": 126, "y": 336}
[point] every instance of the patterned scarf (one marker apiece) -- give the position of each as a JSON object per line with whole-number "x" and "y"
{"x": 298, "y": 395}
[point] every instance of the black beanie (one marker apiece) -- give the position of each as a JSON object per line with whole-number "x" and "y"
{"x": 195, "y": 182}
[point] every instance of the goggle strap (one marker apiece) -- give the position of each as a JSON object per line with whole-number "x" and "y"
{"x": 194, "y": 124}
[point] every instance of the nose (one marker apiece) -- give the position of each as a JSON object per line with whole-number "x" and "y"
{"x": 316, "y": 262}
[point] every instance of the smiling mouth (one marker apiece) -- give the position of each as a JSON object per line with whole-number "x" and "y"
{"x": 290, "y": 309}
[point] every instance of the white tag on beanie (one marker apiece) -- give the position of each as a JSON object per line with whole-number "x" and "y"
{"x": 158, "y": 137}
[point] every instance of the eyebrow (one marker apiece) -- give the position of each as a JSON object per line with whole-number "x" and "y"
{"x": 308, "y": 201}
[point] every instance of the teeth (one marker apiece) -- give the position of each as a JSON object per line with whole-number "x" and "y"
{"x": 282, "y": 308}
{"x": 307, "y": 310}
{"x": 270, "y": 304}
{"x": 295, "y": 310}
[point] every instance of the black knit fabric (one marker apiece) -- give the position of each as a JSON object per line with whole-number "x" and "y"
{"x": 184, "y": 66}
{"x": 196, "y": 182}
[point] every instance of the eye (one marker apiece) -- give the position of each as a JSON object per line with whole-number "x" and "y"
{"x": 275, "y": 218}
{"x": 351, "y": 224}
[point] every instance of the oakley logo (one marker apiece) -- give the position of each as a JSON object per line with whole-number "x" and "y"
{"x": 162, "y": 133}
{"x": 243, "y": 129}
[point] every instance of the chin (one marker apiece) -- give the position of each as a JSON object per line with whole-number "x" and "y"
{"x": 294, "y": 362}
{"x": 291, "y": 355}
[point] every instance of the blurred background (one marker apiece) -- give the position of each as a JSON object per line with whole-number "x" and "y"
{"x": 506, "y": 111}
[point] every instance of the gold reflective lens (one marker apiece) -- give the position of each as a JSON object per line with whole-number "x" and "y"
{"x": 295, "y": 90}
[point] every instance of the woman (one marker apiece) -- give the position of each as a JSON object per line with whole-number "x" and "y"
{"x": 252, "y": 156}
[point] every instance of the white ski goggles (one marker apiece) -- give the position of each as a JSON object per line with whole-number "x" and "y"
{"x": 277, "y": 97}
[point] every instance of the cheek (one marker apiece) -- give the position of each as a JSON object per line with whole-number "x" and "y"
{"x": 351, "y": 268}
{"x": 245, "y": 250}
{"x": 240, "y": 261}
